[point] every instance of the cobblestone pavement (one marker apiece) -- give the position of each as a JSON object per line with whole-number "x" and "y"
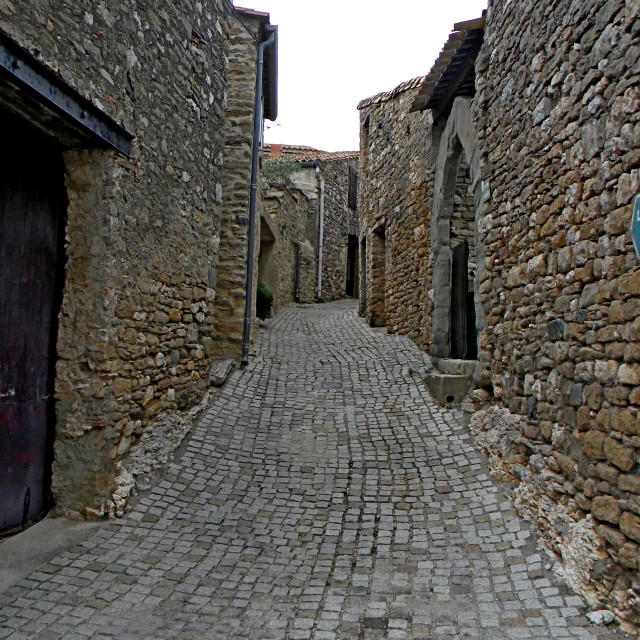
{"x": 323, "y": 495}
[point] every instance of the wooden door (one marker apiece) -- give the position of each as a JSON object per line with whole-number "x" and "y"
{"x": 351, "y": 288}
{"x": 459, "y": 285}
{"x": 32, "y": 205}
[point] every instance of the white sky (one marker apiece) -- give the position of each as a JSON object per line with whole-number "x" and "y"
{"x": 335, "y": 53}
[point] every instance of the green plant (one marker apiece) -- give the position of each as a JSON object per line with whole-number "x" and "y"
{"x": 264, "y": 302}
{"x": 279, "y": 171}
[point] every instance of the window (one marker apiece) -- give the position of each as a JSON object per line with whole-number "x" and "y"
{"x": 364, "y": 146}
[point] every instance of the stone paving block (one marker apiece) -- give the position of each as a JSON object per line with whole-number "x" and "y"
{"x": 306, "y": 510}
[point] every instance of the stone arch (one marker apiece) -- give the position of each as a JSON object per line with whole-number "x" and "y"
{"x": 458, "y": 143}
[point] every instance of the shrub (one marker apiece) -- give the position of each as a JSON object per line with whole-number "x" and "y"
{"x": 264, "y": 302}
{"x": 279, "y": 171}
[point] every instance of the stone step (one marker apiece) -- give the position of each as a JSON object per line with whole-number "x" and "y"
{"x": 455, "y": 367}
{"x": 447, "y": 389}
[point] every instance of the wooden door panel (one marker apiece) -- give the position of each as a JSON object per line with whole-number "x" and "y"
{"x": 32, "y": 203}
{"x": 459, "y": 285}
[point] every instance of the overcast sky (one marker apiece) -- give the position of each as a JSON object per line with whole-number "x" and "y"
{"x": 334, "y": 53}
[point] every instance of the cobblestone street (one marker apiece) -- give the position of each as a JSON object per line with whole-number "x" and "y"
{"x": 322, "y": 495}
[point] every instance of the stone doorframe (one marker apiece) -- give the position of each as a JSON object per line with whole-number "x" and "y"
{"x": 458, "y": 137}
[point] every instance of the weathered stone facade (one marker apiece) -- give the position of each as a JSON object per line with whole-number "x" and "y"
{"x": 315, "y": 181}
{"x": 559, "y": 287}
{"x": 232, "y": 271}
{"x": 551, "y": 139}
{"x": 396, "y": 181}
{"x": 136, "y": 326}
{"x": 340, "y": 222}
{"x": 287, "y": 209}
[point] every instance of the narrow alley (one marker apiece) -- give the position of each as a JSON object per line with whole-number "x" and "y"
{"x": 322, "y": 495}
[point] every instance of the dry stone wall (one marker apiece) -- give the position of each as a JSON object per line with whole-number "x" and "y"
{"x": 288, "y": 210}
{"x": 558, "y": 118}
{"x": 395, "y": 186}
{"x": 136, "y": 324}
{"x": 340, "y": 221}
{"x": 552, "y": 141}
{"x": 292, "y": 197}
{"x": 238, "y": 132}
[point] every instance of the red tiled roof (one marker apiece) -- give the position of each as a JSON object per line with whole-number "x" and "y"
{"x": 301, "y": 153}
{"x": 389, "y": 95}
{"x": 288, "y": 148}
{"x": 326, "y": 155}
{"x": 252, "y": 12}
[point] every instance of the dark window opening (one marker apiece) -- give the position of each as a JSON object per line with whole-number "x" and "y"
{"x": 353, "y": 188}
{"x": 364, "y": 146}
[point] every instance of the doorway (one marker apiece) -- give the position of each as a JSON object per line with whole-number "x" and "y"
{"x": 32, "y": 215}
{"x": 463, "y": 317}
{"x": 351, "y": 288}
{"x": 377, "y": 302}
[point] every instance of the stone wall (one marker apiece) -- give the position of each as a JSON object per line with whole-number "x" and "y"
{"x": 558, "y": 119}
{"x": 299, "y": 175}
{"x": 395, "y": 186}
{"x": 552, "y": 142}
{"x": 287, "y": 209}
{"x": 136, "y": 323}
{"x": 238, "y": 133}
{"x": 463, "y": 216}
{"x": 340, "y": 221}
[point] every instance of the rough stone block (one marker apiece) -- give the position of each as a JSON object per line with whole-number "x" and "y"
{"x": 630, "y": 525}
{"x": 220, "y": 371}
{"x": 606, "y": 508}
{"x": 629, "y": 374}
{"x": 556, "y": 329}
{"x": 447, "y": 389}
{"x": 593, "y": 442}
{"x": 618, "y": 454}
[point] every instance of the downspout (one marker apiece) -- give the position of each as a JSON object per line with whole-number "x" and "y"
{"x": 298, "y": 258}
{"x": 320, "y": 235}
{"x": 255, "y": 152}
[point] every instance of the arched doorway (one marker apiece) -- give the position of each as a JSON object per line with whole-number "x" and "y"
{"x": 457, "y": 253}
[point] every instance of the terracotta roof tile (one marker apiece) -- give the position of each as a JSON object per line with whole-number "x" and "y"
{"x": 389, "y": 95}
{"x": 301, "y": 153}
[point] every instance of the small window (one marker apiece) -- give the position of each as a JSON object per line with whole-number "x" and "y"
{"x": 364, "y": 147}
{"x": 353, "y": 188}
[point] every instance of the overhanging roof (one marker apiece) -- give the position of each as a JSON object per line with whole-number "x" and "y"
{"x": 270, "y": 70}
{"x": 385, "y": 96}
{"x": 270, "y": 79}
{"x": 453, "y": 73}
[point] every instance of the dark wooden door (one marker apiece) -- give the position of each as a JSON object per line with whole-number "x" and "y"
{"x": 32, "y": 205}
{"x": 459, "y": 285}
{"x": 352, "y": 266}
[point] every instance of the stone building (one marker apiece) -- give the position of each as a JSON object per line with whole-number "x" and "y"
{"x": 287, "y": 264}
{"x": 327, "y": 181}
{"x": 232, "y": 270}
{"x": 530, "y": 119}
{"x": 112, "y": 197}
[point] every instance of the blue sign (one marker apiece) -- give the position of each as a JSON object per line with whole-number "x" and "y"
{"x": 635, "y": 224}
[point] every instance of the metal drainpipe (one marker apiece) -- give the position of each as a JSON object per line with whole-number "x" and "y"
{"x": 255, "y": 152}
{"x": 320, "y": 235}
{"x": 298, "y": 257}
